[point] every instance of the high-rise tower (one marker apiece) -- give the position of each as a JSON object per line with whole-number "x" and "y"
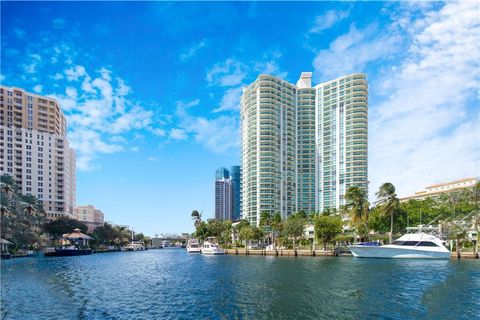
{"x": 302, "y": 146}
{"x": 34, "y": 149}
{"x": 268, "y": 118}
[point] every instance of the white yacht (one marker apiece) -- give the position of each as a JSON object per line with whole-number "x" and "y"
{"x": 419, "y": 244}
{"x": 211, "y": 247}
{"x": 193, "y": 246}
{"x": 135, "y": 246}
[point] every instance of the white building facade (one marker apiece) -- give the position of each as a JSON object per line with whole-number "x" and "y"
{"x": 302, "y": 146}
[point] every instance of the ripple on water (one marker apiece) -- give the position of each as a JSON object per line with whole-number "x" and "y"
{"x": 170, "y": 284}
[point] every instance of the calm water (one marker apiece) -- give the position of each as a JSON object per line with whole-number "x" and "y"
{"x": 170, "y": 284}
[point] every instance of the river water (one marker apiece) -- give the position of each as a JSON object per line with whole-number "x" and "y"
{"x": 171, "y": 284}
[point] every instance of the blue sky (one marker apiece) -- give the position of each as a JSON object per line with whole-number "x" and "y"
{"x": 151, "y": 90}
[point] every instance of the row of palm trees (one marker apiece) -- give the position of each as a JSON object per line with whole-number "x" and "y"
{"x": 21, "y": 215}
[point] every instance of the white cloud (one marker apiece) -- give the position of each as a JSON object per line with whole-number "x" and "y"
{"x": 351, "y": 52}
{"x": 58, "y": 76}
{"x": 178, "y": 134}
{"x": 88, "y": 143}
{"x": 218, "y": 134}
{"x": 227, "y": 74}
{"x": 99, "y": 113}
{"x": 230, "y": 100}
{"x": 158, "y": 132}
{"x": 35, "y": 60}
{"x": 427, "y": 127}
{"x": 328, "y": 20}
{"x": 75, "y": 73}
{"x": 192, "y": 50}
{"x": 38, "y": 88}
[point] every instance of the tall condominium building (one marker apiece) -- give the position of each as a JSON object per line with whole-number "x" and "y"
{"x": 223, "y": 195}
{"x": 227, "y": 194}
{"x": 90, "y": 215}
{"x": 35, "y": 151}
{"x": 302, "y": 146}
{"x": 236, "y": 178}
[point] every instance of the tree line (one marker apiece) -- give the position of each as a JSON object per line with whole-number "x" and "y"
{"x": 24, "y": 222}
{"x": 385, "y": 220}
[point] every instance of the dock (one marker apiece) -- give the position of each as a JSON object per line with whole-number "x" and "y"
{"x": 319, "y": 253}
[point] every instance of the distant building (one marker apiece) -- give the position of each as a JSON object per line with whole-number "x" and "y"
{"x": 228, "y": 194}
{"x": 436, "y": 190}
{"x": 91, "y": 216}
{"x": 34, "y": 149}
{"x": 223, "y": 199}
{"x": 222, "y": 173}
{"x": 236, "y": 178}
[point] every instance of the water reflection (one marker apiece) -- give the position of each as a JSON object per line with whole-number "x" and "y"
{"x": 170, "y": 284}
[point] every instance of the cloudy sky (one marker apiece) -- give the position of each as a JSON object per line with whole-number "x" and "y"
{"x": 151, "y": 90}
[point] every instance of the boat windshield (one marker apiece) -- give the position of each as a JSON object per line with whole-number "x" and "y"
{"x": 415, "y": 243}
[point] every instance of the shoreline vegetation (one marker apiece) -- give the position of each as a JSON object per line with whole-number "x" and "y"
{"x": 25, "y": 226}
{"x": 456, "y": 214}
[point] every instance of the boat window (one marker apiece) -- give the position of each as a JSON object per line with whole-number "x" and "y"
{"x": 405, "y": 243}
{"x": 427, "y": 244}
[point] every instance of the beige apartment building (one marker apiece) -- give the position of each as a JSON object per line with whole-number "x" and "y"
{"x": 437, "y": 190}
{"x": 34, "y": 149}
{"x": 91, "y": 216}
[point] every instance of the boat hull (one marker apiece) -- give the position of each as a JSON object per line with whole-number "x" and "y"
{"x": 396, "y": 253}
{"x": 68, "y": 252}
{"x": 213, "y": 252}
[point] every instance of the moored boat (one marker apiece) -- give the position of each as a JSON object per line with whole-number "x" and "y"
{"x": 193, "y": 246}
{"x": 417, "y": 245}
{"x": 211, "y": 247}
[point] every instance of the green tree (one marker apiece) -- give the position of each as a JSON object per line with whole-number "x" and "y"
{"x": 60, "y": 226}
{"x": 265, "y": 223}
{"x": 293, "y": 227}
{"x": 277, "y": 227}
{"x": 357, "y": 206}
{"x": 201, "y": 230}
{"x": 246, "y": 234}
{"x": 387, "y": 199}
{"x": 105, "y": 234}
{"x": 327, "y": 228}
{"x": 8, "y": 184}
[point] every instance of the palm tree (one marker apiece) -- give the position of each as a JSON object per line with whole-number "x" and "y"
{"x": 276, "y": 225}
{"x": 33, "y": 207}
{"x": 197, "y": 216}
{"x": 8, "y": 213}
{"x": 265, "y": 221}
{"x": 357, "y": 206}
{"x": 389, "y": 202}
{"x": 9, "y": 185}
